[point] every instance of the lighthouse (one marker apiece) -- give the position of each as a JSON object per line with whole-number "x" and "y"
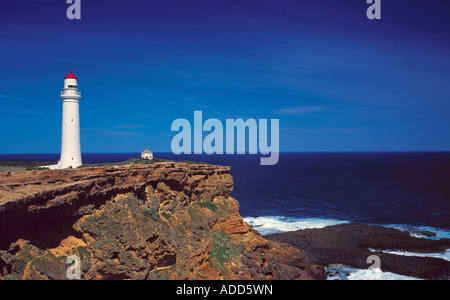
{"x": 70, "y": 140}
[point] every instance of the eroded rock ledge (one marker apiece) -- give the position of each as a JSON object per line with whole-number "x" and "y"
{"x": 158, "y": 221}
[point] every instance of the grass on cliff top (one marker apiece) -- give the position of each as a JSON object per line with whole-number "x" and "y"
{"x": 35, "y": 165}
{"x": 137, "y": 161}
{"x": 25, "y": 163}
{"x": 28, "y": 165}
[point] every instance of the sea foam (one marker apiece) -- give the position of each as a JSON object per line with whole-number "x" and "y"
{"x": 276, "y": 224}
{"x": 444, "y": 255}
{"x": 416, "y": 231}
{"x": 348, "y": 273}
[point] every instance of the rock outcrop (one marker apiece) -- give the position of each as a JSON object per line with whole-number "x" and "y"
{"x": 157, "y": 221}
{"x": 352, "y": 244}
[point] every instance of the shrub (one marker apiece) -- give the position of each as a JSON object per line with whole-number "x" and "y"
{"x": 151, "y": 213}
{"x": 211, "y": 206}
{"x": 223, "y": 249}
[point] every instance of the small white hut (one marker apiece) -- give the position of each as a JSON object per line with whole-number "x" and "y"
{"x": 147, "y": 154}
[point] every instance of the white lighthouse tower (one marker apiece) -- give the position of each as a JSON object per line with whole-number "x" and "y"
{"x": 70, "y": 141}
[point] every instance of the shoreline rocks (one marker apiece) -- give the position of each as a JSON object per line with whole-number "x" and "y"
{"x": 352, "y": 244}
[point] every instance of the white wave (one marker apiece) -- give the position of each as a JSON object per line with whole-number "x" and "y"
{"x": 416, "y": 231}
{"x": 275, "y": 224}
{"x": 445, "y": 255}
{"x": 348, "y": 273}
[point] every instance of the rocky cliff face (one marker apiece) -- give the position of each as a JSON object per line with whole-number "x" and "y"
{"x": 158, "y": 221}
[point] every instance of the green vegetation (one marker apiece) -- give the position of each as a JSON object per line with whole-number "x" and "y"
{"x": 130, "y": 161}
{"x": 166, "y": 215}
{"x": 37, "y": 168}
{"x": 192, "y": 162}
{"x": 98, "y": 245}
{"x": 27, "y": 165}
{"x": 83, "y": 252}
{"x": 96, "y": 219}
{"x": 24, "y": 258}
{"x": 195, "y": 214}
{"x": 33, "y": 261}
{"x": 223, "y": 249}
{"x": 136, "y": 161}
{"x": 211, "y": 206}
{"x": 35, "y": 165}
{"x": 151, "y": 213}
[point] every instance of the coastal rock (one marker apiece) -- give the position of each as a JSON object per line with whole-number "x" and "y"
{"x": 352, "y": 244}
{"x": 154, "y": 221}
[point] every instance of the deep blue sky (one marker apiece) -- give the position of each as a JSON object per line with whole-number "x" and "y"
{"x": 335, "y": 80}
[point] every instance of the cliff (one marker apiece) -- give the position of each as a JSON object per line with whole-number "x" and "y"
{"x": 157, "y": 221}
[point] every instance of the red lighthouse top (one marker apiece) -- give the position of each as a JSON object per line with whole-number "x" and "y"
{"x": 70, "y": 75}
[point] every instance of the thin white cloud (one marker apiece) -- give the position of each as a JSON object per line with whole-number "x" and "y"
{"x": 102, "y": 131}
{"x": 23, "y": 111}
{"x": 128, "y": 126}
{"x": 298, "y": 110}
{"x": 123, "y": 133}
{"x": 327, "y": 130}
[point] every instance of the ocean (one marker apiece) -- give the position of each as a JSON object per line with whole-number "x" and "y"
{"x": 408, "y": 191}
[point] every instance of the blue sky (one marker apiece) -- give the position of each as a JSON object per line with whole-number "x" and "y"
{"x": 335, "y": 80}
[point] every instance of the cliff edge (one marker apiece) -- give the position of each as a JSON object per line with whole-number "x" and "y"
{"x": 156, "y": 221}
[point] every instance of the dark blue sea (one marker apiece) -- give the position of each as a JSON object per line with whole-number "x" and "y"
{"x": 409, "y": 191}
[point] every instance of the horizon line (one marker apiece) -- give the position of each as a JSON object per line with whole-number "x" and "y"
{"x": 331, "y": 151}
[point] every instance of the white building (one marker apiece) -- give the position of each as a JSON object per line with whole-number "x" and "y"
{"x": 70, "y": 140}
{"x": 147, "y": 154}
